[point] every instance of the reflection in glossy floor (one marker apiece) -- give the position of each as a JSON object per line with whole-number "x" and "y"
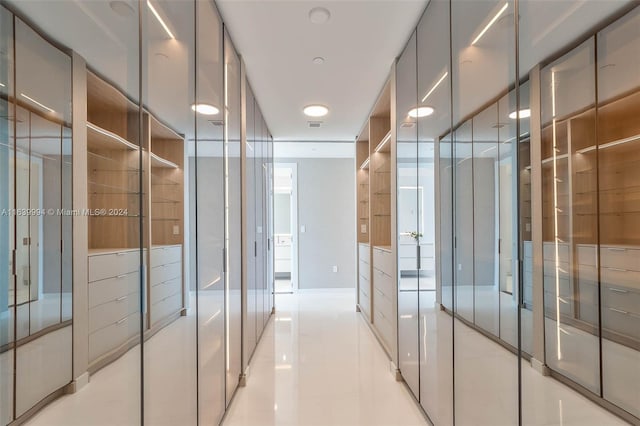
{"x": 319, "y": 364}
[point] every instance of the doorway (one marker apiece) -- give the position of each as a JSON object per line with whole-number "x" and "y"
{"x": 286, "y": 227}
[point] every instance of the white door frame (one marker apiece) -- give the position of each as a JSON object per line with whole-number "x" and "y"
{"x": 294, "y": 220}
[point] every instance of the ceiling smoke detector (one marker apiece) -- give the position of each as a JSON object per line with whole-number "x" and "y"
{"x": 121, "y": 8}
{"x": 319, "y": 15}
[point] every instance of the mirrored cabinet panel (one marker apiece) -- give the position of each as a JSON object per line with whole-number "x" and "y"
{"x": 121, "y": 167}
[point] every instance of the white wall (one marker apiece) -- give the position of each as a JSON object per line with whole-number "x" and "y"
{"x": 326, "y": 208}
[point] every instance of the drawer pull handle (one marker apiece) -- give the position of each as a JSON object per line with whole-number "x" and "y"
{"x": 121, "y": 276}
{"x": 120, "y": 253}
{"x": 617, "y": 269}
{"x": 617, "y": 290}
{"x": 121, "y": 321}
{"x": 620, "y": 311}
{"x": 120, "y": 299}
{"x": 617, "y": 249}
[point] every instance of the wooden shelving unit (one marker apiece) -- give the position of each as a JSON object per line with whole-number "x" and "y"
{"x": 375, "y": 197}
{"x": 135, "y": 187}
{"x": 591, "y": 198}
{"x": 113, "y": 162}
{"x": 167, "y": 185}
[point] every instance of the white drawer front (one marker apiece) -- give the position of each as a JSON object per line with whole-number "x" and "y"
{"x": 383, "y": 282}
{"x": 364, "y": 285}
{"x": 111, "y": 312}
{"x": 427, "y": 264}
{"x": 407, "y": 264}
{"x": 165, "y": 272}
{"x": 105, "y": 266}
{"x": 165, "y": 307}
{"x": 363, "y": 253}
{"x": 365, "y": 303}
{"x": 528, "y": 264}
{"x": 169, "y": 254}
{"x": 587, "y": 254}
{"x": 587, "y": 273}
{"x": 383, "y": 326}
{"x": 112, "y": 288}
{"x": 407, "y": 250}
{"x": 549, "y": 251}
{"x": 381, "y": 303}
{"x": 109, "y": 338}
{"x": 383, "y": 260}
{"x": 564, "y": 285}
{"x": 620, "y": 258}
{"x": 165, "y": 289}
{"x": 622, "y": 277}
{"x": 551, "y": 268}
{"x": 364, "y": 270}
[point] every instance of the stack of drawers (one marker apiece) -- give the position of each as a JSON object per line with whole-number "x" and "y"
{"x": 527, "y": 275}
{"x": 587, "y": 283}
{"x": 114, "y": 300}
{"x": 364, "y": 279}
{"x": 407, "y": 257}
{"x": 620, "y": 280}
{"x": 384, "y": 288}
{"x": 557, "y": 265}
{"x": 165, "y": 282}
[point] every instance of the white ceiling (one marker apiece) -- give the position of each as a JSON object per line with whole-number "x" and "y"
{"x": 310, "y": 149}
{"x": 359, "y": 43}
{"x": 278, "y": 43}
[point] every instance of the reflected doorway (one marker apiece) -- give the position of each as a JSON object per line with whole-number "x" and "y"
{"x": 286, "y": 226}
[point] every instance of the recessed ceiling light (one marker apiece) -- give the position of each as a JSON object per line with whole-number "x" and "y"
{"x": 121, "y": 8}
{"x": 318, "y": 60}
{"x": 205, "y": 109}
{"x": 319, "y": 15}
{"x": 524, "y": 113}
{"x": 316, "y": 110}
{"x": 420, "y": 112}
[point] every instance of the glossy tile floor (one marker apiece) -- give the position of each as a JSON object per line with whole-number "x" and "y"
{"x": 319, "y": 364}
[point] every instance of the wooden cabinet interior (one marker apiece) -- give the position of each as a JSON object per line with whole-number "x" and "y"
{"x": 167, "y": 185}
{"x": 113, "y": 166}
{"x": 380, "y": 168}
{"x": 362, "y": 185}
{"x": 134, "y": 175}
{"x": 591, "y": 204}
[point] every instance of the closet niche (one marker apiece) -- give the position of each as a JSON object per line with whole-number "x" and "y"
{"x": 136, "y": 193}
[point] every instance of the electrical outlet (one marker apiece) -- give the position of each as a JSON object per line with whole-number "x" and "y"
{"x": 363, "y": 228}
{"x": 303, "y": 229}
{"x": 335, "y": 268}
{"x": 176, "y": 230}
{"x": 459, "y": 266}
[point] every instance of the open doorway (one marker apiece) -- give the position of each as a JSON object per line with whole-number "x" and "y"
{"x": 286, "y": 226}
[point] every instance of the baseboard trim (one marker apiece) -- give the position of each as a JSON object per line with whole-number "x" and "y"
{"x": 540, "y": 367}
{"x": 79, "y": 383}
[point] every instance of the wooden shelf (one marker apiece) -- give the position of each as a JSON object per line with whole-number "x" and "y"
{"x": 100, "y": 139}
{"x": 157, "y": 161}
{"x": 365, "y": 164}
